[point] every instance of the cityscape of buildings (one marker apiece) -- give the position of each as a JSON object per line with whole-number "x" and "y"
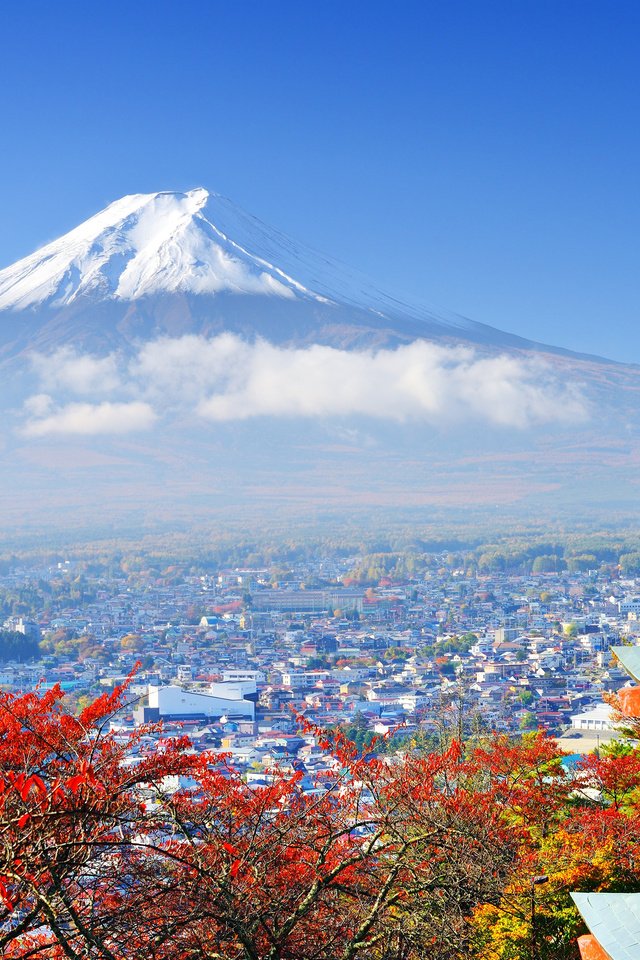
{"x": 234, "y": 659}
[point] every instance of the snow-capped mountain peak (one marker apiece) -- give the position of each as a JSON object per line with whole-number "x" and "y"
{"x": 161, "y": 263}
{"x": 143, "y": 245}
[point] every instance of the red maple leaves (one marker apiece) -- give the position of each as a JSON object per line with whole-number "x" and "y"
{"x": 115, "y": 849}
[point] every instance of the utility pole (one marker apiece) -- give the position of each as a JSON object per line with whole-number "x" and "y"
{"x": 535, "y": 881}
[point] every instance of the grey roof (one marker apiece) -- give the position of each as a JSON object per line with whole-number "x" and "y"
{"x": 629, "y": 657}
{"x": 614, "y": 920}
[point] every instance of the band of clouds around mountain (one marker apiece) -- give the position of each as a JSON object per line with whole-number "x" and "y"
{"x": 226, "y": 378}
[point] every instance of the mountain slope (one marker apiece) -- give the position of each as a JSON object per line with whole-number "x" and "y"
{"x": 175, "y": 263}
{"x": 139, "y": 246}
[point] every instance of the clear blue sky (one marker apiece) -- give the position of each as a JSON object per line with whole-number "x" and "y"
{"x": 483, "y": 155}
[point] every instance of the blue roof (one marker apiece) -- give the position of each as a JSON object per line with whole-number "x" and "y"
{"x": 629, "y": 657}
{"x": 571, "y": 760}
{"x": 614, "y": 920}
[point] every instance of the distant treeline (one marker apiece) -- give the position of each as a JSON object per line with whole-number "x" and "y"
{"x": 396, "y": 554}
{"x": 505, "y": 558}
{"x": 573, "y": 554}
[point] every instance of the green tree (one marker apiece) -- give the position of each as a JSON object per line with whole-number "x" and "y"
{"x": 528, "y": 721}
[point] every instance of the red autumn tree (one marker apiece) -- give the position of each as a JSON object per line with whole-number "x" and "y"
{"x": 101, "y": 859}
{"x": 580, "y": 831}
{"x": 389, "y": 862}
{"x": 70, "y": 805}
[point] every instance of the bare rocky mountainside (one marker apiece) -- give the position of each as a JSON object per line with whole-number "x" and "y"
{"x": 174, "y": 356}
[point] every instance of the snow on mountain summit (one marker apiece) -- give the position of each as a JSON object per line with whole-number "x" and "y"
{"x": 134, "y": 256}
{"x": 141, "y": 245}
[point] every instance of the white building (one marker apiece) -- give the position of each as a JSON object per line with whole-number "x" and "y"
{"x": 597, "y": 719}
{"x": 232, "y": 676}
{"x": 629, "y": 605}
{"x": 232, "y": 700}
{"x": 301, "y": 679}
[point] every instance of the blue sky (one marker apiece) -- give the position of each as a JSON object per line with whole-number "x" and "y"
{"x": 482, "y": 156}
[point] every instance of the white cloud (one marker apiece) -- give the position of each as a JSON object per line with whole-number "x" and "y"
{"x": 87, "y": 419}
{"x": 419, "y": 382}
{"x": 39, "y": 405}
{"x": 185, "y": 369}
{"x": 226, "y": 378}
{"x": 66, "y": 369}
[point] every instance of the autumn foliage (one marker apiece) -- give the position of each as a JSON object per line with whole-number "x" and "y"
{"x": 122, "y": 847}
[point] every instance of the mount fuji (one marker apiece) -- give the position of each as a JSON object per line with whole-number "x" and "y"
{"x": 173, "y": 356}
{"x": 174, "y": 263}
